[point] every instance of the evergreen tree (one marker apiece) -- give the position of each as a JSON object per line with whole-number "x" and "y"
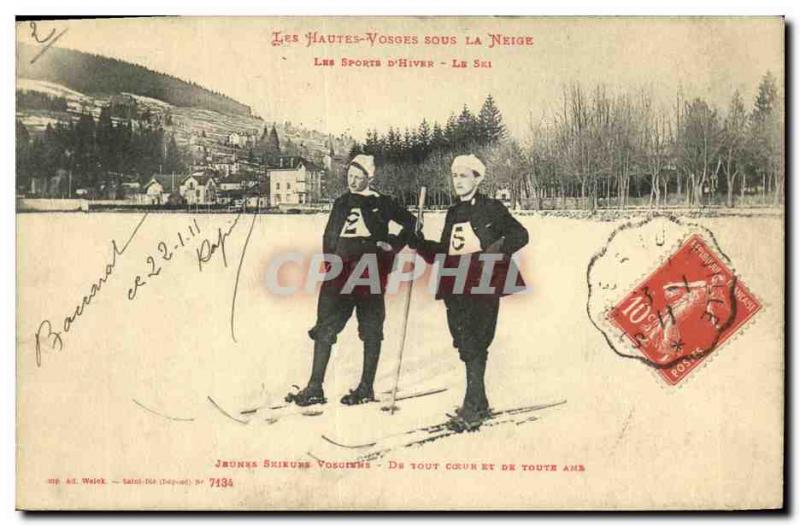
{"x": 174, "y": 162}
{"x": 424, "y": 134}
{"x": 766, "y": 97}
{"x": 450, "y": 131}
{"x": 107, "y": 150}
{"x": 356, "y": 149}
{"x": 438, "y": 139}
{"x": 23, "y": 152}
{"x": 767, "y": 137}
{"x": 466, "y": 132}
{"x": 273, "y": 143}
{"x": 490, "y": 122}
{"x": 392, "y": 145}
{"x": 408, "y": 144}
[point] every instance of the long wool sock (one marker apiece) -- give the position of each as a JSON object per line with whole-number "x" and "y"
{"x": 322, "y": 353}
{"x": 476, "y": 390}
{"x": 372, "y": 352}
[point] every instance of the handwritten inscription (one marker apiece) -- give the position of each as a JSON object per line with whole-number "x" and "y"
{"x": 50, "y": 337}
{"x": 46, "y": 41}
{"x": 205, "y": 252}
{"x": 45, "y": 336}
{"x": 165, "y": 253}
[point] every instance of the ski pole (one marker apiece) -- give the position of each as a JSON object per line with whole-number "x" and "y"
{"x": 391, "y": 408}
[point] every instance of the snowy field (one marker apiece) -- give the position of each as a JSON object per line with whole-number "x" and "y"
{"x": 171, "y": 347}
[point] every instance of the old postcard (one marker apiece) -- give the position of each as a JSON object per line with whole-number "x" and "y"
{"x": 420, "y": 263}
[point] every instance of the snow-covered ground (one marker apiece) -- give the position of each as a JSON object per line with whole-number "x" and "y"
{"x": 640, "y": 441}
{"x": 50, "y": 88}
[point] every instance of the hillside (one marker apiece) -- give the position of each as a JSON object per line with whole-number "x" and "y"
{"x": 97, "y": 75}
{"x": 212, "y": 131}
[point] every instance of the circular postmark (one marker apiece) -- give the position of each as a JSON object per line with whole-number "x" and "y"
{"x": 661, "y": 291}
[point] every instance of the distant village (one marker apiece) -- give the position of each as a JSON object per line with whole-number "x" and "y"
{"x": 284, "y": 181}
{"x": 220, "y": 181}
{"x": 228, "y": 180}
{"x": 128, "y": 152}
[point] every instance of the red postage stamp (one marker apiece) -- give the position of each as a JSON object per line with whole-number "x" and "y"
{"x": 684, "y": 310}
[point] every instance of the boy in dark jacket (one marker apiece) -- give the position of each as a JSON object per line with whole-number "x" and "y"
{"x": 475, "y": 249}
{"x": 357, "y": 228}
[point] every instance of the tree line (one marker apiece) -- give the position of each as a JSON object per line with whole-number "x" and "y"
{"x": 410, "y": 158}
{"x": 600, "y": 149}
{"x": 595, "y": 149}
{"x": 95, "y": 153}
{"x": 606, "y": 149}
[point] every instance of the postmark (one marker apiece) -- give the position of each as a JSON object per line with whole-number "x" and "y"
{"x": 685, "y": 310}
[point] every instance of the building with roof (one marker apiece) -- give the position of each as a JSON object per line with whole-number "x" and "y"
{"x": 198, "y": 189}
{"x": 157, "y": 190}
{"x": 294, "y": 180}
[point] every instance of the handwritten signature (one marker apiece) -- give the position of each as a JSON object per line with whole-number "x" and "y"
{"x": 53, "y": 339}
{"x": 207, "y": 250}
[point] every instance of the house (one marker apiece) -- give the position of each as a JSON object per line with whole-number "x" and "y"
{"x": 132, "y": 186}
{"x": 294, "y": 180}
{"x": 236, "y": 182}
{"x": 131, "y": 191}
{"x": 198, "y": 189}
{"x": 230, "y": 197}
{"x": 60, "y": 184}
{"x": 241, "y": 139}
{"x": 234, "y": 139}
{"x": 257, "y": 201}
{"x": 157, "y": 190}
{"x": 225, "y": 165}
{"x": 123, "y": 105}
{"x": 53, "y": 186}
{"x": 258, "y": 196}
{"x": 249, "y": 169}
{"x": 503, "y": 194}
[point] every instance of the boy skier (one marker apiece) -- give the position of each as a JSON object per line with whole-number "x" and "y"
{"x": 481, "y": 230}
{"x": 358, "y": 227}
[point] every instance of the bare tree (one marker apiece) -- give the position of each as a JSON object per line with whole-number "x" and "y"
{"x": 698, "y": 148}
{"x": 656, "y": 143}
{"x": 733, "y": 141}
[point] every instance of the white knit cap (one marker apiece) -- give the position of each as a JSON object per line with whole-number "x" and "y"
{"x": 470, "y": 162}
{"x": 366, "y": 162}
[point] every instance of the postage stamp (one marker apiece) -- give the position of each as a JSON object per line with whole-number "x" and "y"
{"x": 684, "y": 310}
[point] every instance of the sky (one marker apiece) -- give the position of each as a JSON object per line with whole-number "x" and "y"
{"x": 703, "y": 57}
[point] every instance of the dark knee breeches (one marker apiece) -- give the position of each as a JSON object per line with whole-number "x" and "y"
{"x": 335, "y": 309}
{"x": 472, "y": 321}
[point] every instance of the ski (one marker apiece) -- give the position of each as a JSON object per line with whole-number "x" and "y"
{"x": 274, "y": 413}
{"x": 427, "y": 434}
{"x": 305, "y": 411}
{"x": 315, "y": 410}
{"x": 407, "y": 396}
{"x": 224, "y": 412}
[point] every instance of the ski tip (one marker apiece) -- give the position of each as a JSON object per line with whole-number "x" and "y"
{"x": 390, "y": 409}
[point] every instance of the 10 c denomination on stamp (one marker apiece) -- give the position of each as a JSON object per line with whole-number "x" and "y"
{"x": 684, "y": 310}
